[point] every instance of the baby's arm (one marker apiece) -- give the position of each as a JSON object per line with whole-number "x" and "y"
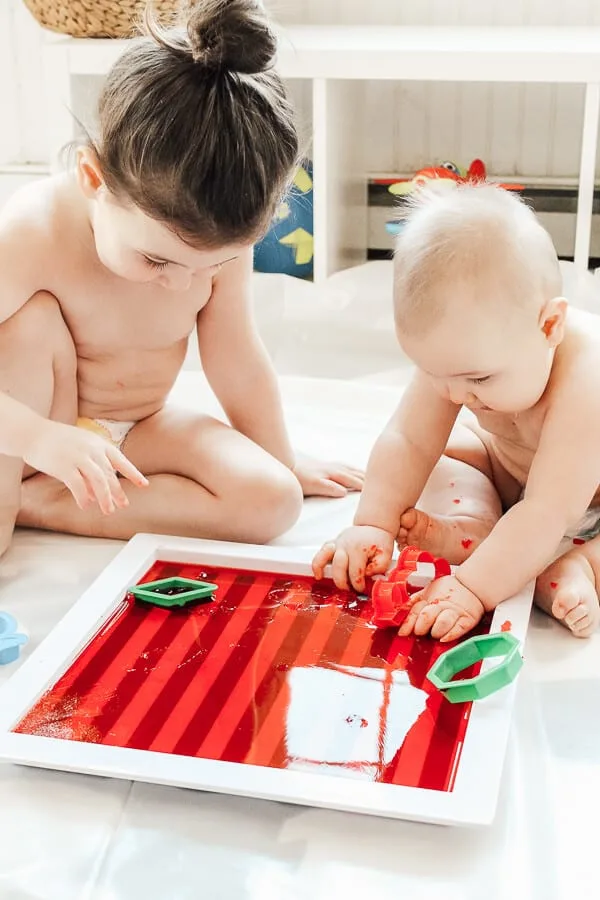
{"x": 562, "y": 482}
{"x": 401, "y": 462}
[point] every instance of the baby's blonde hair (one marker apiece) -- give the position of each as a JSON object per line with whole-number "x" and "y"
{"x": 476, "y": 233}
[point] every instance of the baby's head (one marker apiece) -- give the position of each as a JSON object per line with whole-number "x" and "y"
{"x": 477, "y": 296}
{"x": 196, "y": 144}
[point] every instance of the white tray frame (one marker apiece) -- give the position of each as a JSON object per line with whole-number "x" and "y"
{"x": 472, "y": 801}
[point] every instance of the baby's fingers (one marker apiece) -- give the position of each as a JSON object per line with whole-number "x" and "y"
{"x": 445, "y": 622}
{"x": 322, "y": 558}
{"x": 462, "y": 627}
{"x": 426, "y": 618}
{"x": 340, "y": 569}
{"x": 409, "y": 623}
{"x": 378, "y": 562}
{"x": 357, "y": 570}
{"x": 126, "y": 468}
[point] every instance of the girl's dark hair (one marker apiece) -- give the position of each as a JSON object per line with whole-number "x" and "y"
{"x": 195, "y": 127}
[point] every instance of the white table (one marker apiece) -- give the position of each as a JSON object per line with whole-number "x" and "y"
{"x": 334, "y": 59}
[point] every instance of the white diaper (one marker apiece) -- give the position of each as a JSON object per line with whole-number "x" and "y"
{"x": 111, "y": 429}
{"x": 587, "y": 528}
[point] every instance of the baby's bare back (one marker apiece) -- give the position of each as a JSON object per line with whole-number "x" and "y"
{"x": 130, "y": 338}
{"x": 513, "y": 439}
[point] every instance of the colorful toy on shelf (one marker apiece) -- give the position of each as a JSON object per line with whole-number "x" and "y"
{"x": 11, "y": 640}
{"x": 447, "y": 175}
{"x": 287, "y": 247}
{"x": 391, "y": 596}
{"x": 170, "y": 592}
{"x": 463, "y": 656}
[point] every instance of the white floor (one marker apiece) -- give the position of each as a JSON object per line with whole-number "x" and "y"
{"x": 70, "y": 837}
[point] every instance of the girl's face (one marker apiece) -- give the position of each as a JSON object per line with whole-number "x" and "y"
{"x": 140, "y": 249}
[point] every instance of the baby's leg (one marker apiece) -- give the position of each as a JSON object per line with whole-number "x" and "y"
{"x": 206, "y": 480}
{"x": 568, "y": 589}
{"x": 460, "y": 504}
{"x": 37, "y": 367}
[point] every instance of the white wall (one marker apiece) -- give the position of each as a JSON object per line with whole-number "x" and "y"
{"x": 522, "y": 130}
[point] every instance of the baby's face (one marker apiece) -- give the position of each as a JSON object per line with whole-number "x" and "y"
{"x": 485, "y": 363}
{"x": 140, "y": 249}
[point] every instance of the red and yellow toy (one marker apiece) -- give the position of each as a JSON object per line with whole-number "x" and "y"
{"x": 447, "y": 175}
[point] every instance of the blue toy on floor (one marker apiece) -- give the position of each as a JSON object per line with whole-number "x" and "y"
{"x": 11, "y": 640}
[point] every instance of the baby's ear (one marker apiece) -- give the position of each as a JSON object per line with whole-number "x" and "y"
{"x": 89, "y": 174}
{"x": 552, "y": 320}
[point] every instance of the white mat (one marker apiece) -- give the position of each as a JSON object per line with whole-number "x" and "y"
{"x": 81, "y": 838}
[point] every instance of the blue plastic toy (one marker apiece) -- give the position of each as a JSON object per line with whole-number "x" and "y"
{"x": 288, "y": 245}
{"x": 11, "y": 640}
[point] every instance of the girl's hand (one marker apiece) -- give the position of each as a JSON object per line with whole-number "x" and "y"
{"x": 360, "y": 551}
{"x": 446, "y": 608}
{"x": 320, "y": 479}
{"x": 85, "y": 462}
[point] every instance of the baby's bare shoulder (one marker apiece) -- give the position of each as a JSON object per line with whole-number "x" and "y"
{"x": 576, "y": 373}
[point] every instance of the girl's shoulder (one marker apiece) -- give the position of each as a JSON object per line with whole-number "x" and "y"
{"x": 38, "y": 214}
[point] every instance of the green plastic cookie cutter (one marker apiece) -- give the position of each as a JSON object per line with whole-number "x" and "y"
{"x": 168, "y": 592}
{"x": 472, "y": 651}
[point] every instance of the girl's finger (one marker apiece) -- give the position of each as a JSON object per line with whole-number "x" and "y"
{"x": 126, "y": 468}
{"x": 350, "y": 481}
{"x": 116, "y": 489}
{"x": 328, "y": 488}
{"x": 79, "y": 489}
{"x": 97, "y": 483}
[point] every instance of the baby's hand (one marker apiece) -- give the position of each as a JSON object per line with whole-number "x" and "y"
{"x": 84, "y": 462}
{"x": 327, "y": 479}
{"x": 360, "y": 551}
{"x": 446, "y": 608}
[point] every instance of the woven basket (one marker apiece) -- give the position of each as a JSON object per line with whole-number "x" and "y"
{"x": 97, "y": 18}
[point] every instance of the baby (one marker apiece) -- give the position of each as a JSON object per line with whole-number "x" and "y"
{"x": 106, "y": 270}
{"x": 478, "y": 309}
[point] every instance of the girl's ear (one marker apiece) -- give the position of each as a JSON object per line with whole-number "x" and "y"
{"x": 552, "y": 320}
{"x": 89, "y": 174}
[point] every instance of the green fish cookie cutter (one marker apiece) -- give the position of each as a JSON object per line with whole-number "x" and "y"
{"x": 469, "y": 652}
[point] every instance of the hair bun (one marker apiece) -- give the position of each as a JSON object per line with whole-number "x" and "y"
{"x": 231, "y": 34}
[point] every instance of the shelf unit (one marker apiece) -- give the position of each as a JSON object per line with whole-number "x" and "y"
{"x": 335, "y": 62}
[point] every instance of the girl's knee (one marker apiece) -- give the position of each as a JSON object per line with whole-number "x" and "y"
{"x": 270, "y": 504}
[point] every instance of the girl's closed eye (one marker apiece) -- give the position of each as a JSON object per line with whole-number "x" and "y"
{"x": 154, "y": 263}
{"x": 480, "y": 380}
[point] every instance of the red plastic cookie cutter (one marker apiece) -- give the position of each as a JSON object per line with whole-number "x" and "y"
{"x": 391, "y": 596}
